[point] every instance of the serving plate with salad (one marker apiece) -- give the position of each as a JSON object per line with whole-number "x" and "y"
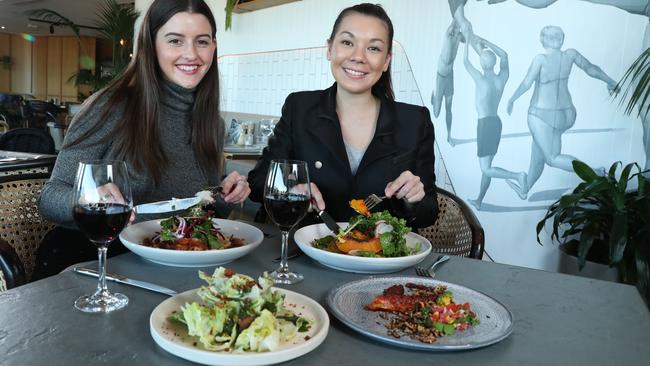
{"x": 236, "y": 320}
{"x": 225, "y": 241}
{"x": 373, "y": 243}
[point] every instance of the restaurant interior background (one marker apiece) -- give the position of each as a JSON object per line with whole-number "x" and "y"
{"x": 607, "y": 36}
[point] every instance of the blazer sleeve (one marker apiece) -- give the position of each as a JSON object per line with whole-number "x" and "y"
{"x": 425, "y": 212}
{"x": 280, "y": 146}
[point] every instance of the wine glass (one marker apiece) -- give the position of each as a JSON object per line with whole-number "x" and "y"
{"x": 286, "y": 198}
{"x": 266, "y": 129}
{"x": 101, "y": 208}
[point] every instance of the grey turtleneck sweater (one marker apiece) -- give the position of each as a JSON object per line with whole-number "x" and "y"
{"x": 182, "y": 178}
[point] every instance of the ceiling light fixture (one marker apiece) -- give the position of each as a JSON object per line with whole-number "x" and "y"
{"x": 2, "y": 27}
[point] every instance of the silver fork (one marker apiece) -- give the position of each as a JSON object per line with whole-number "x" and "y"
{"x": 372, "y": 201}
{"x": 430, "y": 272}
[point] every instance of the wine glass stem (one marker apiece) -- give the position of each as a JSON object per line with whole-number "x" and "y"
{"x": 284, "y": 267}
{"x": 101, "y": 284}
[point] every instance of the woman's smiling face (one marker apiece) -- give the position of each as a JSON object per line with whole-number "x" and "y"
{"x": 185, "y": 49}
{"x": 358, "y": 54}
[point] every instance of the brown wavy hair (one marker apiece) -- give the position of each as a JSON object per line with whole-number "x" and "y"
{"x": 137, "y": 91}
{"x": 383, "y": 86}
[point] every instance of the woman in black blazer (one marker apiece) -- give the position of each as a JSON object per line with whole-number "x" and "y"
{"x": 354, "y": 137}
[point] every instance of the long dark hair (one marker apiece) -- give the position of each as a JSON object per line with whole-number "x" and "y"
{"x": 137, "y": 90}
{"x": 383, "y": 86}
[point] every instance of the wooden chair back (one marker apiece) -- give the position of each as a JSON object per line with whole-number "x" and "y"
{"x": 21, "y": 225}
{"x": 457, "y": 230}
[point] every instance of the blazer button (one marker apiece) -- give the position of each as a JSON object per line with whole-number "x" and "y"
{"x": 318, "y": 165}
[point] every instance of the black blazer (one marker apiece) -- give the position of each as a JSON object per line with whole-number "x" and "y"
{"x": 309, "y": 130}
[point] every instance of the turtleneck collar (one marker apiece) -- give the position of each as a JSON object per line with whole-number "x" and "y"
{"x": 176, "y": 97}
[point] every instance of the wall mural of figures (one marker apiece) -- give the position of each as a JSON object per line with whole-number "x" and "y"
{"x": 551, "y": 112}
{"x": 639, "y": 7}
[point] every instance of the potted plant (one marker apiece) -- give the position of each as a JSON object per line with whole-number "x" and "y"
{"x": 230, "y": 6}
{"x": 604, "y": 220}
{"x": 115, "y": 23}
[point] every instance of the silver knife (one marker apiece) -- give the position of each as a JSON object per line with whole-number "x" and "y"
{"x": 126, "y": 281}
{"x": 174, "y": 204}
{"x": 329, "y": 221}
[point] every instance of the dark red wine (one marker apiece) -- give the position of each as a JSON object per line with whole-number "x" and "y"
{"x": 286, "y": 209}
{"x": 101, "y": 222}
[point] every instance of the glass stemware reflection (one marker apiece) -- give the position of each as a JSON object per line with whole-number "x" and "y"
{"x": 102, "y": 206}
{"x": 286, "y": 199}
{"x": 266, "y": 129}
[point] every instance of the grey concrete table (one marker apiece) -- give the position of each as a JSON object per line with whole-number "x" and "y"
{"x": 558, "y": 319}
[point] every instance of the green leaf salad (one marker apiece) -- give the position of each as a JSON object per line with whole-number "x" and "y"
{"x": 238, "y": 313}
{"x": 379, "y": 227}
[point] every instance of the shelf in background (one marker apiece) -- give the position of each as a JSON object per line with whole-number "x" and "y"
{"x": 258, "y": 4}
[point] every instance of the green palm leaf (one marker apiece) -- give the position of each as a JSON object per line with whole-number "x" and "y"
{"x": 637, "y": 78}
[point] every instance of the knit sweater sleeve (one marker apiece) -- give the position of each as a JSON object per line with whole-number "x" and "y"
{"x": 55, "y": 202}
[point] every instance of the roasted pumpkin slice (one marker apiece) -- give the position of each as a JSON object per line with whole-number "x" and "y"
{"x": 360, "y": 207}
{"x": 349, "y": 244}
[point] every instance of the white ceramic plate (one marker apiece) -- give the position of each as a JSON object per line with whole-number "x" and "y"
{"x": 347, "y": 302}
{"x": 349, "y": 263}
{"x": 174, "y": 339}
{"x": 133, "y": 235}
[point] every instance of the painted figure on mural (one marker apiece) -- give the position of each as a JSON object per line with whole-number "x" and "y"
{"x": 639, "y": 7}
{"x": 458, "y": 31}
{"x": 457, "y": 9}
{"x": 551, "y": 111}
{"x": 445, "y": 76}
{"x": 489, "y": 90}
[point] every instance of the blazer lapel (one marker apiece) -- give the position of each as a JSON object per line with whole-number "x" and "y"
{"x": 326, "y": 127}
{"x": 382, "y": 144}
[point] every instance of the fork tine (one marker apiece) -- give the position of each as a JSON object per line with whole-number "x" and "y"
{"x": 372, "y": 201}
{"x": 422, "y": 272}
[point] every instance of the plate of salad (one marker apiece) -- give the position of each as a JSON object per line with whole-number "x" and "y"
{"x": 191, "y": 241}
{"x": 237, "y": 320}
{"x": 373, "y": 243}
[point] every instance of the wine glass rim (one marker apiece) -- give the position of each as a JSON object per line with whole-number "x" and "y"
{"x": 288, "y": 161}
{"x": 102, "y": 162}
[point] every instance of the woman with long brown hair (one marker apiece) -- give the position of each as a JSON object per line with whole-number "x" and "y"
{"x": 161, "y": 116}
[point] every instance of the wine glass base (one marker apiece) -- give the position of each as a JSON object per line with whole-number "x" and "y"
{"x": 101, "y": 303}
{"x": 286, "y": 278}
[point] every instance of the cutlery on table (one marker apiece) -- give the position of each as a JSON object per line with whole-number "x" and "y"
{"x": 127, "y": 281}
{"x": 430, "y": 272}
{"x": 329, "y": 221}
{"x": 176, "y": 204}
{"x": 373, "y": 200}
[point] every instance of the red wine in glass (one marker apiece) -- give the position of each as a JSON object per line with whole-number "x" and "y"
{"x": 286, "y": 209}
{"x": 101, "y": 207}
{"x": 101, "y": 222}
{"x": 286, "y": 199}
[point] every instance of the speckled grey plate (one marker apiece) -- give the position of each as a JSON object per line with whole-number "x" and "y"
{"x": 347, "y": 302}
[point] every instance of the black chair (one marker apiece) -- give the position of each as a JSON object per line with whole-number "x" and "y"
{"x": 37, "y": 113}
{"x": 12, "y": 107}
{"x": 12, "y": 272}
{"x": 30, "y": 140}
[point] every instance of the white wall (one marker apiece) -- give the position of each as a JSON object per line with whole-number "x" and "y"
{"x": 608, "y": 37}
